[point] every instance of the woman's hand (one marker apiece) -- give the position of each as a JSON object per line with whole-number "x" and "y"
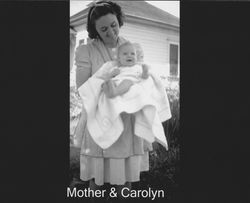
{"x": 145, "y": 73}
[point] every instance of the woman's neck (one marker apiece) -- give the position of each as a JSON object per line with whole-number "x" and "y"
{"x": 112, "y": 44}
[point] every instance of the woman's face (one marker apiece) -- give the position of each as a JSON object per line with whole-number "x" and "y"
{"x": 108, "y": 29}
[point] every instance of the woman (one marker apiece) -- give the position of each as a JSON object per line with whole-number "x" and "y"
{"x": 121, "y": 163}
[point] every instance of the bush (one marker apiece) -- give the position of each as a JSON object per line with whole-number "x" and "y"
{"x": 75, "y": 111}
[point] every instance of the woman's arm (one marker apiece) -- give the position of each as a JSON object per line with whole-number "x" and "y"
{"x": 83, "y": 65}
{"x": 82, "y": 75}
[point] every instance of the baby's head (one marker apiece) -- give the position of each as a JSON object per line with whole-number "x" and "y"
{"x": 126, "y": 54}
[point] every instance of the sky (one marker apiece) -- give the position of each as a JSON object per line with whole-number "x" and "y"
{"x": 172, "y": 7}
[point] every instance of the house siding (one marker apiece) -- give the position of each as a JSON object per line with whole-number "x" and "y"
{"x": 155, "y": 48}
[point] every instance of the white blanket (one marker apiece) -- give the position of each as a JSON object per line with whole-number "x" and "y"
{"x": 147, "y": 100}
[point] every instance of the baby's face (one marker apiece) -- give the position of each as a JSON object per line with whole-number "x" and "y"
{"x": 127, "y": 55}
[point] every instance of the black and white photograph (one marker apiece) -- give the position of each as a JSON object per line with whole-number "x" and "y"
{"x": 124, "y": 100}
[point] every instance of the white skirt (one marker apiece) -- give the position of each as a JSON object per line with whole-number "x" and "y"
{"x": 113, "y": 171}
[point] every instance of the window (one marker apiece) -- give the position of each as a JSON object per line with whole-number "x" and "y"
{"x": 174, "y": 59}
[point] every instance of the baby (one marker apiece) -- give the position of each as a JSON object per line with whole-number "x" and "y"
{"x": 105, "y": 100}
{"x": 129, "y": 70}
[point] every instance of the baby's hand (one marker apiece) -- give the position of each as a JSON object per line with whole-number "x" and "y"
{"x": 115, "y": 72}
{"x": 145, "y": 74}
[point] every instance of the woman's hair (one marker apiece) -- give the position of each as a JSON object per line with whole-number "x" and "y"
{"x": 99, "y": 9}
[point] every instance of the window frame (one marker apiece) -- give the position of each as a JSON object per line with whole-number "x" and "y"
{"x": 178, "y": 67}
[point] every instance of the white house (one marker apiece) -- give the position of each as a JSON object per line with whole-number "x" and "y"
{"x": 156, "y": 30}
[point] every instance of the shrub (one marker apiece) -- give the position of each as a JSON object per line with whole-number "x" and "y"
{"x": 75, "y": 110}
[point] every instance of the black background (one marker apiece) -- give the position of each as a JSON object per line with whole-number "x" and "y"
{"x": 214, "y": 101}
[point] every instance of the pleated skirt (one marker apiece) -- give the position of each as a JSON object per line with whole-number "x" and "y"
{"x": 115, "y": 171}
